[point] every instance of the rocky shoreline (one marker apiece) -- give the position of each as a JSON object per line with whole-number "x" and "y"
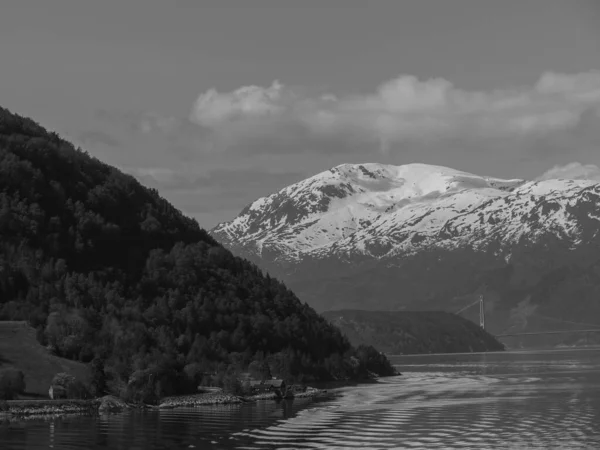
{"x": 30, "y": 409}
{"x": 46, "y": 407}
{"x": 35, "y": 408}
{"x": 219, "y": 398}
{"x": 190, "y": 401}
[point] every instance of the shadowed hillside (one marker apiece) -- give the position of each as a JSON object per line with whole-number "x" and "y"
{"x": 409, "y": 332}
{"x": 109, "y": 272}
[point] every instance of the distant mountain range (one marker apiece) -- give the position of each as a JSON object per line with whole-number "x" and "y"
{"x": 377, "y": 237}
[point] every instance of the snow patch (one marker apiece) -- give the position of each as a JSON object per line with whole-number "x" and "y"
{"x": 357, "y": 208}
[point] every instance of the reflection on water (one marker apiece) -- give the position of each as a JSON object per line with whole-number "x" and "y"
{"x": 510, "y": 400}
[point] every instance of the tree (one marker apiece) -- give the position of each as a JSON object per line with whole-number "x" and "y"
{"x": 73, "y": 387}
{"x": 259, "y": 370}
{"x": 12, "y": 383}
{"x": 98, "y": 383}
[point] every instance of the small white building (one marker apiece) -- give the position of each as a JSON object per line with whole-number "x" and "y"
{"x": 56, "y": 392}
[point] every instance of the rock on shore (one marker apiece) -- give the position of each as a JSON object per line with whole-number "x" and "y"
{"x": 199, "y": 400}
{"x": 225, "y": 399}
{"x": 311, "y": 392}
{"x": 111, "y": 404}
{"x": 29, "y": 408}
{"x": 20, "y": 408}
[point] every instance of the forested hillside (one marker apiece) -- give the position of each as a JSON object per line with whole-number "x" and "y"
{"x": 108, "y": 271}
{"x": 412, "y": 332}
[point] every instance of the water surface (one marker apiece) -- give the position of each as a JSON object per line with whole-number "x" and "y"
{"x": 509, "y": 400}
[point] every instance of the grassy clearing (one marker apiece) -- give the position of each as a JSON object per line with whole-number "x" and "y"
{"x": 20, "y": 349}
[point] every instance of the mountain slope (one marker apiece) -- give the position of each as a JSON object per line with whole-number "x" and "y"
{"x": 20, "y": 349}
{"x": 379, "y": 211}
{"x": 412, "y": 332}
{"x": 374, "y": 237}
{"x": 106, "y": 269}
{"x": 353, "y": 208}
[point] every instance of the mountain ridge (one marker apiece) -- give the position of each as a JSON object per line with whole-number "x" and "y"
{"x": 382, "y": 210}
{"x": 435, "y": 241}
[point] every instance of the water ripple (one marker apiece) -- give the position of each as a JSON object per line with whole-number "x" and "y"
{"x": 449, "y": 411}
{"x": 502, "y": 401}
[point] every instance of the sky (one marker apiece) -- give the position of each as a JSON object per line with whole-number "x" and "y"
{"x": 217, "y": 103}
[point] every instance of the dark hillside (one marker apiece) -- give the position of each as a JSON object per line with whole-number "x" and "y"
{"x": 104, "y": 268}
{"x": 410, "y": 332}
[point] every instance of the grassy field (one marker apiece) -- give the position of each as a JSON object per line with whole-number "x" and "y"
{"x": 20, "y": 349}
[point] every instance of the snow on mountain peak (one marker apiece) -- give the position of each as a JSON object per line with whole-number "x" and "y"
{"x": 398, "y": 235}
{"x": 337, "y": 204}
{"x": 417, "y": 180}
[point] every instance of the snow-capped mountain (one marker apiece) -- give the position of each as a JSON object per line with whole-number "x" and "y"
{"x": 381, "y": 237}
{"x": 382, "y": 211}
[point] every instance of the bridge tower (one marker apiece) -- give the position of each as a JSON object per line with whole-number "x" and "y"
{"x": 481, "y": 312}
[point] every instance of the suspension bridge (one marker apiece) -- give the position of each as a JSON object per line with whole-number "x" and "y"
{"x": 481, "y": 302}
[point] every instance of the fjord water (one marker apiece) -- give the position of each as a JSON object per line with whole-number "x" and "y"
{"x": 538, "y": 399}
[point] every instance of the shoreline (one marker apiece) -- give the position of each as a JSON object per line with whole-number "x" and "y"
{"x": 220, "y": 398}
{"x": 18, "y": 410}
{"x": 31, "y": 409}
{"x": 503, "y": 352}
{"x": 25, "y": 409}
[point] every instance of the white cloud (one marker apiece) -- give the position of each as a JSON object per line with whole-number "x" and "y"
{"x": 212, "y": 107}
{"x": 581, "y": 87}
{"x": 573, "y": 171}
{"x": 406, "y": 108}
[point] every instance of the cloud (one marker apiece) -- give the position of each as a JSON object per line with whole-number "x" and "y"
{"x": 139, "y": 121}
{"x": 151, "y": 121}
{"x": 218, "y": 194}
{"x": 404, "y": 109}
{"x": 231, "y": 180}
{"x": 95, "y": 137}
{"x": 212, "y": 108}
{"x": 236, "y": 146}
{"x": 573, "y": 171}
